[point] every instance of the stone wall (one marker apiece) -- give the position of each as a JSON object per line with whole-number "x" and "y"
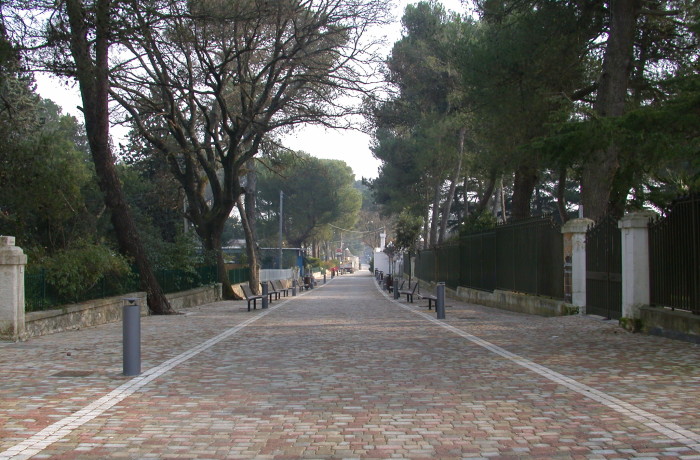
{"x": 517, "y": 302}
{"x": 195, "y": 297}
{"x": 674, "y": 324}
{"x": 101, "y": 311}
{"x": 506, "y": 300}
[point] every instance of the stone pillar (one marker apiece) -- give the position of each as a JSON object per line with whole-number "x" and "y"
{"x": 575, "y": 250}
{"x": 12, "y": 262}
{"x": 634, "y": 229}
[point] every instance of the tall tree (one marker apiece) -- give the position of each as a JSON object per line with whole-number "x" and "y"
{"x": 611, "y": 100}
{"x": 317, "y": 193}
{"x": 421, "y": 115}
{"x": 44, "y": 177}
{"x": 89, "y": 47}
{"x": 218, "y": 76}
{"x": 521, "y": 65}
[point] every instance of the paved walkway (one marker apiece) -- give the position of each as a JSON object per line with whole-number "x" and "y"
{"x": 345, "y": 372}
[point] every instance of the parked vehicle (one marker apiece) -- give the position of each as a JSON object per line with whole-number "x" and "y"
{"x": 350, "y": 264}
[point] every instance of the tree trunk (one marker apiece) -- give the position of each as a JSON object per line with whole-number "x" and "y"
{"x": 486, "y": 197}
{"x": 426, "y": 228}
{"x": 436, "y": 215}
{"x": 523, "y": 186}
{"x": 251, "y": 188}
{"x": 502, "y": 200}
{"x": 251, "y": 248}
{"x": 447, "y": 210}
{"x": 499, "y": 201}
{"x": 561, "y": 196}
{"x": 465, "y": 212}
{"x": 495, "y": 202}
{"x": 212, "y": 244}
{"x": 599, "y": 171}
{"x": 93, "y": 81}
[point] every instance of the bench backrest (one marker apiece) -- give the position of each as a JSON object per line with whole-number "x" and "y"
{"x": 247, "y": 291}
{"x": 278, "y": 285}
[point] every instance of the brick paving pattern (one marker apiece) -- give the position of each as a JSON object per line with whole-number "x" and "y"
{"x": 343, "y": 371}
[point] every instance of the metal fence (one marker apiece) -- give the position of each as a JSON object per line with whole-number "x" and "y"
{"x": 604, "y": 269}
{"x": 406, "y": 265}
{"x": 525, "y": 256}
{"x": 425, "y": 265}
{"x": 674, "y": 256}
{"x": 530, "y": 257}
{"x": 478, "y": 261}
{"x": 180, "y": 280}
{"x": 239, "y": 275}
{"x": 40, "y": 295}
{"x": 275, "y": 274}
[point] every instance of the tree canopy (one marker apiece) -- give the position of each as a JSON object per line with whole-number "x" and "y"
{"x": 558, "y": 104}
{"x": 319, "y": 197}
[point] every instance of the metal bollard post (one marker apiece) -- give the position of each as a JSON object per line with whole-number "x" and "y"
{"x": 311, "y": 281}
{"x": 324, "y": 278}
{"x": 396, "y": 291}
{"x": 131, "y": 337}
{"x": 294, "y": 287}
{"x": 265, "y": 294}
{"x": 440, "y": 302}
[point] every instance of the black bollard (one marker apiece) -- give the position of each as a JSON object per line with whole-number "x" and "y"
{"x": 396, "y": 290}
{"x": 440, "y": 302}
{"x": 294, "y": 287}
{"x": 265, "y": 295}
{"x": 324, "y": 278}
{"x": 131, "y": 337}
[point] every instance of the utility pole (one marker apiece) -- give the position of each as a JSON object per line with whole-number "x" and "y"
{"x": 279, "y": 261}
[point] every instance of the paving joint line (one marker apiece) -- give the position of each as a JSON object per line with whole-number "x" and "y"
{"x": 62, "y": 428}
{"x": 659, "y": 424}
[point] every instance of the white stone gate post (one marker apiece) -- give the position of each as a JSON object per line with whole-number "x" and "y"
{"x": 635, "y": 262}
{"x": 575, "y": 246}
{"x": 12, "y": 262}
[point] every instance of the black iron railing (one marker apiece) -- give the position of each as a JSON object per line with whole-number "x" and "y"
{"x": 674, "y": 256}
{"x": 525, "y": 256}
{"x": 604, "y": 269}
{"x": 41, "y": 295}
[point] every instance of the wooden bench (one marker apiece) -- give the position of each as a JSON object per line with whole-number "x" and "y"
{"x": 279, "y": 288}
{"x": 250, "y": 296}
{"x": 409, "y": 292}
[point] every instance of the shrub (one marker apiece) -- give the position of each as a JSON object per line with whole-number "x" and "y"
{"x": 73, "y": 272}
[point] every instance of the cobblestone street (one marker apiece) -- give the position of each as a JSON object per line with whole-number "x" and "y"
{"x": 344, "y": 371}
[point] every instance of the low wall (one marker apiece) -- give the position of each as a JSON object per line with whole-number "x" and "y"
{"x": 512, "y": 301}
{"x": 195, "y": 297}
{"x": 674, "y": 324}
{"x": 507, "y": 300}
{"x": 108, "y": 310}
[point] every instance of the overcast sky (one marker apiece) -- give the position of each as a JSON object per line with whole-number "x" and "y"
{"x": 348, "y": 145}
